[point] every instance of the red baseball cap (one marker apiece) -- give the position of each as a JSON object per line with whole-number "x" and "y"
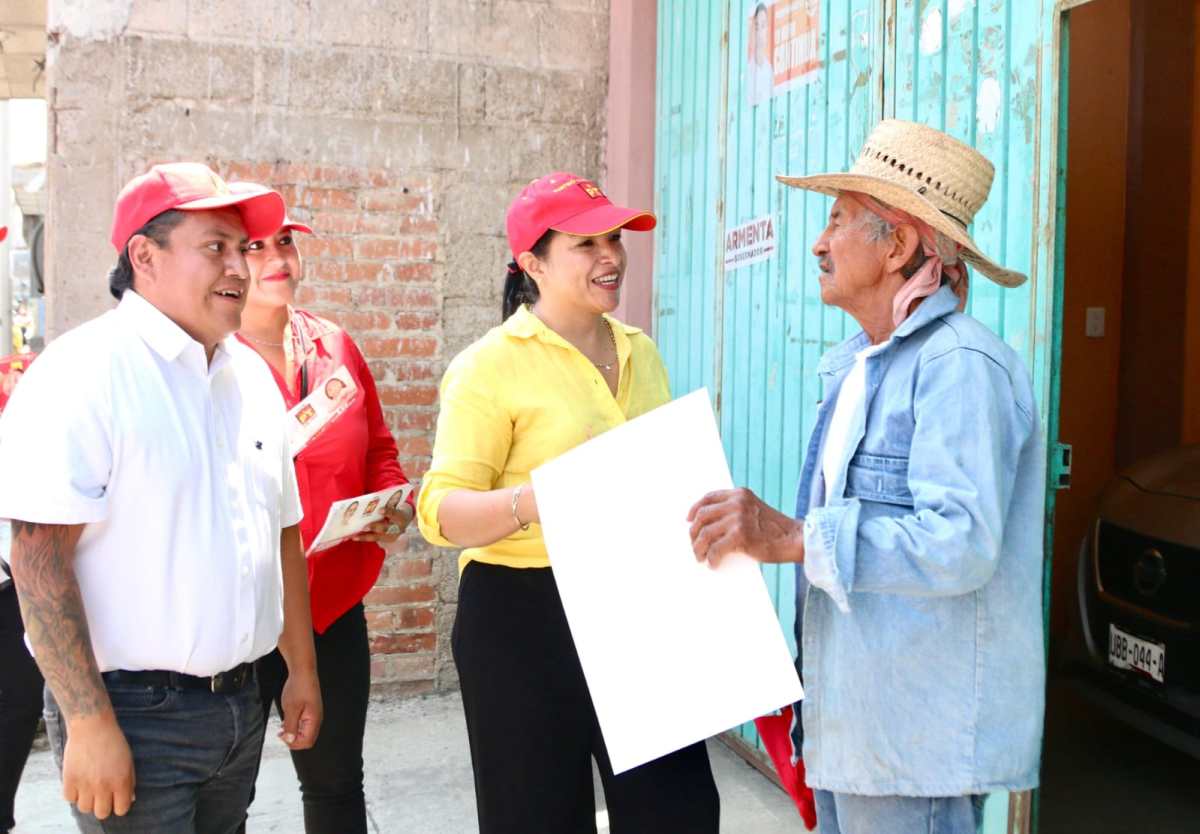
{"x": 566, "y": 203}
{"x": 3, "y": 233}
{"x": 190, "y": 186}
{"x": 243, "y": 187}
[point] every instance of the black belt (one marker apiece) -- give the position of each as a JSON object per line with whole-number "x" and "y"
{"x": 233, "y": 680}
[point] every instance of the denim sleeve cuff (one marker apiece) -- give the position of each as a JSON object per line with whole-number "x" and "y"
{"x": 829, "y": 550}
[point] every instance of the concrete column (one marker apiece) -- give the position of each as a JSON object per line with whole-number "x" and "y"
{"x": 629, "y": 152}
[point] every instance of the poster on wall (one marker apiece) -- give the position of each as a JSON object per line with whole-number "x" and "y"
{"x": 783, "y": 47}
{"x": 750, "y": 242}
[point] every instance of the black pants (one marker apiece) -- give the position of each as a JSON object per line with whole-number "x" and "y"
{"x": 533, "y": 730}
{"x": 20, "y": 703}
{"x": 331, "y": 771}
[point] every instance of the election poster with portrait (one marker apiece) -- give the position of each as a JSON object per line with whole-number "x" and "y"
{"x": 783, "y": 47}
{"x": 350, "y": 516}
{"x": 325, "y": 404}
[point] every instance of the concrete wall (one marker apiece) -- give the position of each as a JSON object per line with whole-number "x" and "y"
{"x": 401, "y": 129}
{"x": 629, "y": 150}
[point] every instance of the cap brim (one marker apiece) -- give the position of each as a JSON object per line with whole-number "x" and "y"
{"x": 262, "y": 212}
{"x": 906, "y": 199}
{"x": 296, "y": 227}
{"x": 604, "y": 219}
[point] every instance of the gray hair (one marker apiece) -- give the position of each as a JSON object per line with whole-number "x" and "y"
{"x": 878, "y": 229}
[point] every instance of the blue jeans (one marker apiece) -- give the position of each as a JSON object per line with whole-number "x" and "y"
{"x": 846, "y": 813}
{"x": 195, "y": 755}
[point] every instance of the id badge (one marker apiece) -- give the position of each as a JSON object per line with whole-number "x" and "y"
{"x": 320, "y": 408}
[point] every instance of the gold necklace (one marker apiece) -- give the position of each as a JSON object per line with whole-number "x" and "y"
{"x": 260, "y": 341}
{"x": 612, "y": 338}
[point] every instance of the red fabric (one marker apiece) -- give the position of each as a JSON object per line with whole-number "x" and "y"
{"x": 353, "y": 455}
{"x": 776, "y": 733}
{"x": 11, "y": 369}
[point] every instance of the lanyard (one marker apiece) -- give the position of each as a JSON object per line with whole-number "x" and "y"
{"x": 303, "y": 362}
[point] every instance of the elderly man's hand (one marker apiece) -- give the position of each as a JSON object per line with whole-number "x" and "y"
{"x": 738, "y": 521}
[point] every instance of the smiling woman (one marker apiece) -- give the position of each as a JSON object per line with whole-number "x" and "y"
{"x": 559, "y": 371}
{"x": 352, "y": 454}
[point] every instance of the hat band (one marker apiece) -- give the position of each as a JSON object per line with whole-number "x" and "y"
{"x": 957, "y": 220}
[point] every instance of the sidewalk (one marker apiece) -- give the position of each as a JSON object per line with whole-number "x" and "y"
{"x": 418, "y": 782}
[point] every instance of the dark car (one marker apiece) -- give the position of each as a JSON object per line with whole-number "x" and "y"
{"x": 1139, "y": 599}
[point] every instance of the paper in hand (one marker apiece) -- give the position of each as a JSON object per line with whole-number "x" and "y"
{"x": 350, "y": 516}
{"x": 673, "y": 650}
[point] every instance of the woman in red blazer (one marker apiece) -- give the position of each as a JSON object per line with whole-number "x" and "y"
{"x": 352, "y": 454}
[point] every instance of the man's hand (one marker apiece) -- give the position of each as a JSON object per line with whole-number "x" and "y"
{"x": 301, "y": 697}
{"x": 738, "y": 521}
{"x": 302, "y": 710}
{"x": 377, "y": 532}
{"x": 97, "y": 771}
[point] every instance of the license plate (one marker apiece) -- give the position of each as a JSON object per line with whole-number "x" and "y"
{"x": 1128, "y": 652}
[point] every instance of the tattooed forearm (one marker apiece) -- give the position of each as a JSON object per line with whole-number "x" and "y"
{"x": 43, "y": 566}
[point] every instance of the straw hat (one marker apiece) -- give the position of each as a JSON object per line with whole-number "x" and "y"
{"x": 929, "y": 175}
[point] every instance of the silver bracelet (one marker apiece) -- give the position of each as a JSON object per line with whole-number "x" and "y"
{"x": 516, "y": 498}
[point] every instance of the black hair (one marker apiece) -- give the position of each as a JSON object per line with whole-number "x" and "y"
{"x": 158, "y": 228}
{"x": 519, "y": 288}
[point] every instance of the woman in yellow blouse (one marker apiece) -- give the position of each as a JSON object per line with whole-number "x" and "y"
{"x": 559, "y": 371}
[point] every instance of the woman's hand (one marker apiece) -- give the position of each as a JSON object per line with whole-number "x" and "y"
{"x": 390, "y": 529}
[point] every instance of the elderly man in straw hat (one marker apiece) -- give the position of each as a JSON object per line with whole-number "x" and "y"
{"x": 919, "y": 515}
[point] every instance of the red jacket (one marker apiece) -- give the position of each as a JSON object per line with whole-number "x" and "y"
{"x": 353, "y": 455}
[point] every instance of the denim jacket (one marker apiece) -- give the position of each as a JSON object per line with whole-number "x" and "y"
{"x": 921, "y": 594}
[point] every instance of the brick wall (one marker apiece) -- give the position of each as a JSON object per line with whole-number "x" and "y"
{"x": 399, "y": 129}
{"x": 370, "y": 268}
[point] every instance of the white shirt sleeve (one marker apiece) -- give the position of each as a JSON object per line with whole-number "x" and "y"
{"x": 290, "y": 509}
{"x": 56, "y": 444}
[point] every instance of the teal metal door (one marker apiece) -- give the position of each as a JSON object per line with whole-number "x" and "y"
{"x": 983, "y": 70}
{"x": 773, "y": 325}
{"x": 688, "y": 187}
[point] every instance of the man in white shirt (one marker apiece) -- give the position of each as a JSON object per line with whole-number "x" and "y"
{"x": 155, "y": 545}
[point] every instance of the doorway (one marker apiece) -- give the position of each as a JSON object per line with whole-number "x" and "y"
{"x": 1130, "y": 331}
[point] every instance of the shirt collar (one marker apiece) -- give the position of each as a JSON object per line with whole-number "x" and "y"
{"x": 165, "y": 337}
{"x": 523, "y": 324}
{"x": 313, "y": 327}
{"x": 936, "y": 306}
{"x": 939, "y": 305}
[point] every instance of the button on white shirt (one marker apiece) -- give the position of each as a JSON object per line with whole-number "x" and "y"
{"x": 179, "y": 469}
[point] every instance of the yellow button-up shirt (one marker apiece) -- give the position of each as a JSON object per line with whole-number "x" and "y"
{"x": 520, "y": 396}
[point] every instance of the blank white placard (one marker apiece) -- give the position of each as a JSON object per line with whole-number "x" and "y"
{"x": 673, "y": 651}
